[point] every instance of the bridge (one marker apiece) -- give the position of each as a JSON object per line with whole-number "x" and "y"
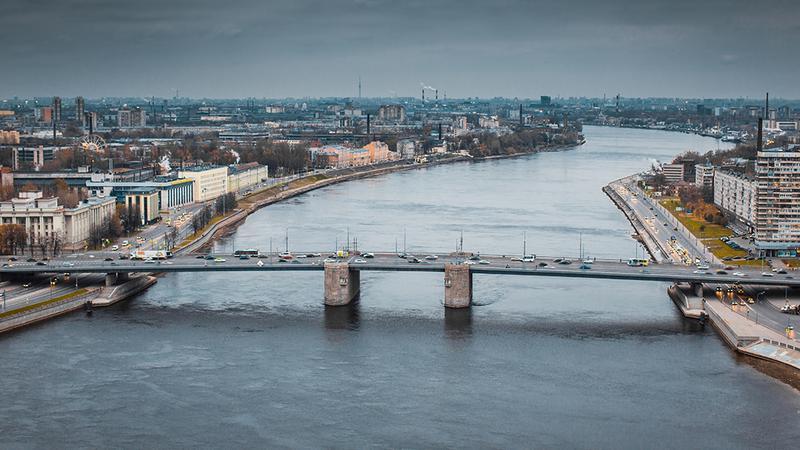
{"x": 342, "y": 275}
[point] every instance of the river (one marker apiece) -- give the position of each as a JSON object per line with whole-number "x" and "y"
{"x": 255, "y": 360}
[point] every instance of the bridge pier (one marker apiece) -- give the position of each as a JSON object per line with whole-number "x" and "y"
{"x": 457, "y": 286}
{"x": 342, "y": 284}
{"x": 115, "y": 278}
{"x": 697, "y": 288}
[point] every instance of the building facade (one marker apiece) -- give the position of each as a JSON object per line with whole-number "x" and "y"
{"x": 704, "y": 176}
{"x": 131, "y": 118}
{"x": 146, "y": 201}
{"x": 172, "y": 191}
{"x": 244, "y": 176}
{"x": 209, "y": 181}
{"x": 672, "y": 172}
{"x": 44, "y": 219}
{"x": 735, "y": 195}
{"x": 778, "y": 202}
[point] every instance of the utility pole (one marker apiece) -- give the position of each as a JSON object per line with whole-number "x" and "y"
{"x": 524, "y": 242}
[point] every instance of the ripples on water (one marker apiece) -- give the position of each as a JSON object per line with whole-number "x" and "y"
{"x": 251, "y": 360}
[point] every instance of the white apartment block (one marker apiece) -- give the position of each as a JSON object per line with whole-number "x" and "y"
{"x": 209, "y": 181}
{"x": 736, "y": 196}
{"x": 778, "y": 202}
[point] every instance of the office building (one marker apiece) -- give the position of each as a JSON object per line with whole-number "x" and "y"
{"x": 173, "y": 192}
{"x": 44, "y": 219}
{"x": 146, "y": 201}
{"x": 43, "y": 114}
{"x": 32, "y": 157}
{"x": 209, "y": 181}
{"x": 392, "y": 113}
{"x": 242, "y": 177}
{"x": 672, "y": 172}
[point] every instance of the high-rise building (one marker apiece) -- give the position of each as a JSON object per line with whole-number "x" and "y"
{"x": 90, "y": 120}
{"x": 57, "y": 109}
{"x": 79, "y": 110}
{"x": 131, "y": 118}
{"x": 778, "y": 202}
{"x": 43, "y": 114}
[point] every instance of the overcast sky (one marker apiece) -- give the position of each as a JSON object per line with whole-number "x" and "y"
{"x": 511, "y": 48}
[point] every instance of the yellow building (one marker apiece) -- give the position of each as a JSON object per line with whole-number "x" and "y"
{"x": 210, "y": 182}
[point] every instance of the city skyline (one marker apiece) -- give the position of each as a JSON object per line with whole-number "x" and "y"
{"x": 465, "y": 49}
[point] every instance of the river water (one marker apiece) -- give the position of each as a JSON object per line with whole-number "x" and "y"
{"x": 245, "y": 360}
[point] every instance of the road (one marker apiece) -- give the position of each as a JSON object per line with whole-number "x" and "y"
{"x": 489, "y": 264}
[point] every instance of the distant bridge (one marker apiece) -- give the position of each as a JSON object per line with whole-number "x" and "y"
{"x": 342, "y": 276}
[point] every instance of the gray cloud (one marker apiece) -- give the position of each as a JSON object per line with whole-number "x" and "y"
{"x": 468, "y": 48}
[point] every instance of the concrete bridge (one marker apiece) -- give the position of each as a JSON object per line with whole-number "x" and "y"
{"x": 342, "y": 275}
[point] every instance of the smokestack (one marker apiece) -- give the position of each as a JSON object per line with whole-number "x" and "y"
{"x": 440, "y": 131}
{"x": 367, "y": 124}
{"x": 54, "y": 131}
{"x": 91, "y": 122}
{"x": 766, "y": 108}
{"x": 423, "y": 95}
{"x": 436, "y": 91}
{"x": 759, "y": 145}
{"x": 521, "y": 123}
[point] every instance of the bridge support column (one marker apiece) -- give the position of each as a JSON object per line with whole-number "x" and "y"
{"x": 697, "y": 288}
{"x": 457, "y": 286}
{"x": 342, "y": 284}
{"x": 115, "y": 278}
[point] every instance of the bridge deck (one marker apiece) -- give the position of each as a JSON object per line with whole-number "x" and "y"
{"x": 493, "y": 265}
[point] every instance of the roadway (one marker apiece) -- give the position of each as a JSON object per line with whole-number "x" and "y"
{"x": 486, "y": 264}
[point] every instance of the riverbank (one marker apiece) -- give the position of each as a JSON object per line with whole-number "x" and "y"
{"x": 743, "y": 335}
{"x": 300, "y": 186}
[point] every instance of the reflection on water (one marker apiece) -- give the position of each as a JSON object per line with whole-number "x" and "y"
{"x": 345, "y": 317}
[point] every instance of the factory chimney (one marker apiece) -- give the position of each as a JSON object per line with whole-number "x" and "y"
{"x": 440, "y": 132}
{"x": 423, "y": 95}
{"x": 436, "y": 93}
{"x": 759, "y": 139}
{"x": 367, "y": 125}
{"x": 521, "y": 122}
{"x": 766, "y": 108}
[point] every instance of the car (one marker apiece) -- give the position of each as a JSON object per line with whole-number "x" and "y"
{"x": 585, "y": 266}
{"x": 113, "y": 263}
{"x": 721, "y": 272}
{"x": 565, "y": 261}
{"x": 719, "y": 289}
{"x": 31, "y": 260}
{"x": 750, "y": 300}
{"x": 199, "y": 257}
{"x": 108, "y": 259}
{"x": 739, "y": 274}
{"x": 366, "y": 255}
{"x": 41, "y": 263}
{"x": 665, "y": 224}
{"x": 114, "y": 247}
{"x": 26, "y": 285}
{"x": 700, "y": 272}
{"x": 588, "y": 261}
{"x": 125, "y": 243}
{"x": 412, "y": 259}
{"x": 703, "y": 267}
{"x": 558, "y": 260}
{"x": 542, "y": 264}
{"x": 729, "y": 268}
{"x": 781, "y": 271}
{"x": 528, "y": 259}
{"x": 483, "y": 261}
{"x": 431, "y": 257}
{"x": 124, "y": 256}
{"x": 149, "y": 261}
{"x": 470, "y": 262}
{"x": 516, "y": 259}
{"x": 474, "y": 258}
{"x": 313, "y": 255}
{"x": 69, "y": 264}
{"x": 12, "y": 259}
{"x": 244, "y": 257}
{"x": 209, "y": 257}
{"x": 359, "y": 261}
{"x": 329, "y": 260}
{"x": 767, "y": 274}
{"x": 219, "y": 260}
{"x": 91, "y": 256}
